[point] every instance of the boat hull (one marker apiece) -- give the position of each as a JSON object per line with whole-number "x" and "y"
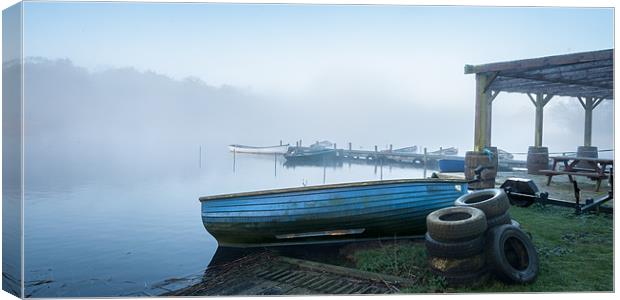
{"x": 311, "y": 156}
{"x": 451, "y": 165}
{"x": 327, "y": 213}
{"x": 259, "y": 150}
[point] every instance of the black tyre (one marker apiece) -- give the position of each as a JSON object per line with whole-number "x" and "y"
{"x": 516, "y": 224}
{"x": 499, "y": 220}
{"x": 511, "y": 256}
{"x": 457, "y": 266}
{"x": 493, "y": 202}
{"x": 456, "y": 223}
{"x": 454, "y": 249}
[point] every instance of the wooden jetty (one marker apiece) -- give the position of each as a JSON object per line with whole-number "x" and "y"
{"x": 422, "y": 159}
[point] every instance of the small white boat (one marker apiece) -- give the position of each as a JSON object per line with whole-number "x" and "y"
{"x": 412, "y": 149}
{"x": 504, "y": 155}
{"x": 280, "y": 149}
{"x": 445, "y": 151}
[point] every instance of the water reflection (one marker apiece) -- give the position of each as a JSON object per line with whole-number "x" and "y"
{"x": 119, "y": 226}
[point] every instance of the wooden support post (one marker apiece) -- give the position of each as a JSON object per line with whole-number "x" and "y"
{"x": 482, "y": 122}
{"x": 587, "y": 131}
{"x": 376, "y": 148}
{"x": 538, "y": 129}
{"x": 280, "y": 142}
{"x": 334, "y": 146}
{"x": 539, "y": 102}
{"x": 350, "y": 146}
{"x": 588, "y": 103}
{"x": 390, "y": 147}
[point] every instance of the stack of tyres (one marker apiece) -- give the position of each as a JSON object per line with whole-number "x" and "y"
{"x": 509, "y": 252}
{"x": 455, "y": 244}
{"x": 493, "y": 202}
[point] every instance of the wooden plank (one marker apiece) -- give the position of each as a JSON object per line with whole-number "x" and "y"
{"x": 565, "y": 81}
{"x": 531, "y": 98}
{"x": 586, "y": 174}
{"x": 585, "y": 70}
{"x": 590, "y": 84}
{"x": 321, "y": 267}
{"x": 568, "y": 158}
{"x": 556, "y": 60}
{"x": 525, "y": 85}
{"x": 241, "y": 279}
{"x": 559, "y": 91}
{"x": 597, "y": 102}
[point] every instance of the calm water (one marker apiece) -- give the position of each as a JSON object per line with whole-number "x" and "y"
{"x": 107, "y": 228}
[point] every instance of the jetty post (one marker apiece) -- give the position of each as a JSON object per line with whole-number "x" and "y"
{"x": 425, "y": 160}
{"x": 234, "y": 159}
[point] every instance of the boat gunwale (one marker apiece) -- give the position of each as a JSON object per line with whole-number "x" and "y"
{"x": 346, "y": 198}
{"x": 257, "y": 147}
{"x": 310, "y": 153}
{"x": 329, "y": 186}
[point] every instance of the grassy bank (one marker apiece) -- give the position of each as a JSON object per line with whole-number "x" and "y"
{"x": 576, "y": 254}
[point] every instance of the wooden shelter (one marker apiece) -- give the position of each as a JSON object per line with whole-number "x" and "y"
{"x": 587, "y": 76}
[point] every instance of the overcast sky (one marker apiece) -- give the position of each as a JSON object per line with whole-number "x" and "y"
{"x": 292, "y": 47}
{"x": 407, "y": 58}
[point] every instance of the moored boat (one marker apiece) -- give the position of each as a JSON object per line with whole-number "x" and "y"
{"x": 451, "y": 165}
{"x": 281, "y": 149}
{"x": 327, "y": 213}
{"x": 311, "y": 154}
{"x": 445, "y": 151}
{"x": 504, "y": 155}
{"x": 411, "y": 149}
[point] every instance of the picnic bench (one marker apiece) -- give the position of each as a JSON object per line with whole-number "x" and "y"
{"x": 595, "y": 168}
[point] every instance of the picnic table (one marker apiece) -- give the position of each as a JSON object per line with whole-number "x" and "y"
{"x": 593, "y": 168}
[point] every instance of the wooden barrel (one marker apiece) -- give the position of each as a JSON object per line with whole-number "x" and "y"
{"x": 586, "y": 151}
{"x": 473, "y": 159}
{"x": 537, "y": 159}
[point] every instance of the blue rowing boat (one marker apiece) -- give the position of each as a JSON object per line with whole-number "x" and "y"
{"x": 327, "y": 213}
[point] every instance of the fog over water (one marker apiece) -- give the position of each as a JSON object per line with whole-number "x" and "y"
{"x": 129, "y": 108}
{"x": 136, "y": 116}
